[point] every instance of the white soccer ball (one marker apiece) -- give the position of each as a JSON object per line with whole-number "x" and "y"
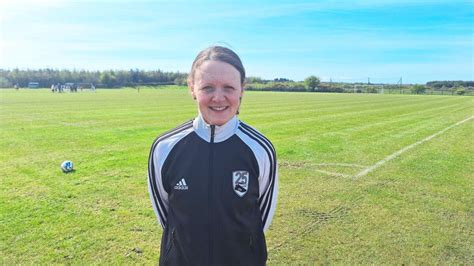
{"x": 67, "y": 166}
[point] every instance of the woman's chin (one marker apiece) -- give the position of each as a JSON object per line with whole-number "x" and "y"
{"x": 217, "y": 118}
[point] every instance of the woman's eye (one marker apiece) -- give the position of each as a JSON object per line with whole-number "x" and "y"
{"x": 207, "y": 89}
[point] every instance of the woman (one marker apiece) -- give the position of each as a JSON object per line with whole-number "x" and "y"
{"x": 213, "y": 180}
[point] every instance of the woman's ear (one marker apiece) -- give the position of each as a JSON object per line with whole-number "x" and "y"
{"x": 191, "y": 89}
{"x": 240, "y": 100}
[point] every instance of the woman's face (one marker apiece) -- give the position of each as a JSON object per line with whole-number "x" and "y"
{"x": 217, "y": 90}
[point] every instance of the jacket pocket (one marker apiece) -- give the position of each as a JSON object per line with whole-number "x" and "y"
{"x": 174, "y": 254}
{"x": 258, "y": 248}
{"x": 166, "y": 256}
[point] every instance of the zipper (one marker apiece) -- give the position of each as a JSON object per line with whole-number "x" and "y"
{"x": 210, "y": 195}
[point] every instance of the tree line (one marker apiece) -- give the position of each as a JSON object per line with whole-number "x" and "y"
{"x": 107, "y": 78}
{"x": 135, "y": 77}
{"x": 449, "y": 84}
{"x": 313, "y": 84}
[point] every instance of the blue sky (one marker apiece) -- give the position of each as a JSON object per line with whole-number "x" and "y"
{"x": 339, "y": 40}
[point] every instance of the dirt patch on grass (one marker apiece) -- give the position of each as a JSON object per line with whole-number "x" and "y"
{"x": 335, "y": 213}
{"x": 317, "y": 219}
{"x": 292, "y": 165}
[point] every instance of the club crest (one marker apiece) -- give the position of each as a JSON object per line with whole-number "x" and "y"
{"x": 240, "y": 182}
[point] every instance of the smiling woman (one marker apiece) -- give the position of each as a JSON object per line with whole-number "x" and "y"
{"x": 213, "y": 180}
{"x": 217, "y": 88}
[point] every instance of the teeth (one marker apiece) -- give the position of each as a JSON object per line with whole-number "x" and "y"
{"x": 218, "y": 108}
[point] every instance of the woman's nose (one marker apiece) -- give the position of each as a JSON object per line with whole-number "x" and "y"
{"x": 218, "y": 95}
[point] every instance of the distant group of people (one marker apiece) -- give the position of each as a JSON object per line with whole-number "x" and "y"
{"x": 59, "y": 88}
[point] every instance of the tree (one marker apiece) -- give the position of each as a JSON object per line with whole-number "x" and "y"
{"x": 181, "y": 81}
{"x": 108, "y": 79}
{"x": 311, "y": 82}
{"x": 4, "y": 83}
{"x": 253, "y": 80}
{"x": 460, "y": 91}
{"x": 418, "y": 89}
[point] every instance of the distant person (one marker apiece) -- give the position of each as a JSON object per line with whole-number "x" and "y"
{"x": 92, "y": 87}
{"x": 17, "y": 87}
{"x": 213, "y": 180}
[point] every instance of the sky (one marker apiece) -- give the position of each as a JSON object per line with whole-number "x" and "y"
{"x": 348, "y": 41}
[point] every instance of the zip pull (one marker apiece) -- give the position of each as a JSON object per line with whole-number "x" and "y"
{"x": 213, "y": 131}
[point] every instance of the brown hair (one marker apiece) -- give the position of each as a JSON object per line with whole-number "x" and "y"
{"x": 221, "y": 54}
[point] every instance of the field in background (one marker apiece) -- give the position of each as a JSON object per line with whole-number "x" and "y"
{"x": 417, "y": 207}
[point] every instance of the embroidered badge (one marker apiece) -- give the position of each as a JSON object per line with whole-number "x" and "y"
{"x": 240, "y": 182}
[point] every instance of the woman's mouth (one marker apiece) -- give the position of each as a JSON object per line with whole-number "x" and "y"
{"x": 218, "y": 108}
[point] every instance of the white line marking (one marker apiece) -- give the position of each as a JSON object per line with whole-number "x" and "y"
{"x": 341, "y": 164}
{"x": 396, "y": 154}
{"x": 332, "y": 173}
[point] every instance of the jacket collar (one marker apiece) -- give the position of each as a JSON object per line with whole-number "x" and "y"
{"x": 221, "y": 132}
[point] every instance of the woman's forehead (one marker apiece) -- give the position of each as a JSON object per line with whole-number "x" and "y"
{"x": 217, "y": 70}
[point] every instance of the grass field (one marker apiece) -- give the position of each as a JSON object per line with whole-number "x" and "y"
{"x": 414, "y": 207}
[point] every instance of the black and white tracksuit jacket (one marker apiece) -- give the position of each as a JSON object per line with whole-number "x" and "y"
{"x": 214, "y": 191}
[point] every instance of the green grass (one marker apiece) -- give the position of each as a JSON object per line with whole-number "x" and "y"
{"x": 415, "y": 209}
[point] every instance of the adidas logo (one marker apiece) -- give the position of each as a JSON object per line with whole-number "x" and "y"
{"x": 181, "y": 185}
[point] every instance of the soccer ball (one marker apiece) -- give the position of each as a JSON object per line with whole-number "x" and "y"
{"x": 67, "y": 166}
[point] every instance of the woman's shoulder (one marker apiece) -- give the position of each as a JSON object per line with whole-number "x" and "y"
{"x": 260, "y": 145}
{"x": 173, "y": 135}
{"x": 253, "y": 133}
